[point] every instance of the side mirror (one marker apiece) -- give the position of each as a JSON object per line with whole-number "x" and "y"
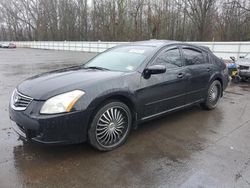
{"x": 154, "y": 69}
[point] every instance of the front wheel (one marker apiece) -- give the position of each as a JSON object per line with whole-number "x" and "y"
{"x": 110, "y": 126}
{"x": 213, "y": 95}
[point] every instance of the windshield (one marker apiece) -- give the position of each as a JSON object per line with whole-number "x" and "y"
{"x": 124, "y": 59}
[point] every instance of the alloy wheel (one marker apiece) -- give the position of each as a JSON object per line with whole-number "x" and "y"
{"x": 112, "y": 126}
{"x": 214, "y": 94}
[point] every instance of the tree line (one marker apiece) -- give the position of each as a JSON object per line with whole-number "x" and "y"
{"x": 125, "y": 20}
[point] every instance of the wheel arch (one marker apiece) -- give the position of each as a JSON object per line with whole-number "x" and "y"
{"x": 217, "y": 77}
{"x": 123, "y": 97}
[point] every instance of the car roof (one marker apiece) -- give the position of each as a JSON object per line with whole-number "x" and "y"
{"x": 153, "y": 43}
{"x": 161, "y": 43}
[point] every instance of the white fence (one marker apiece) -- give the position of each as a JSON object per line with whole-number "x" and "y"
{"x": 221, "y": 49}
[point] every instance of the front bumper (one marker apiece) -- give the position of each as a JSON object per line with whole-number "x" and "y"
{"x": 244, "y": 73}
{"x": 66, "y": 128}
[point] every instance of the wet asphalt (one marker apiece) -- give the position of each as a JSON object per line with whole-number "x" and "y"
{"x": 189, "y": 148}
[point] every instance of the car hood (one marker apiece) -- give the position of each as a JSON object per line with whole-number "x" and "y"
{"x": 44, "y": 86}
{"x": 243, "y": 62}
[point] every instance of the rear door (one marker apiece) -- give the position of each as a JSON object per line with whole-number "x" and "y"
{"x": 198, "y": 72}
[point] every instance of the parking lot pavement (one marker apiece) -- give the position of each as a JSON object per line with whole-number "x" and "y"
{"x": 190, "y": 148}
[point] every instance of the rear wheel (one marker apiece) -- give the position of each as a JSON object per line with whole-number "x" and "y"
{"x": 213, "y": 95}
{"x": 110, "y": 126}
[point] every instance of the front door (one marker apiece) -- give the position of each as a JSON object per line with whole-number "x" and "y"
{"x": 163, "y": 92}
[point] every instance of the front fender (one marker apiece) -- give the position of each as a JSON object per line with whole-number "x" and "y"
{"x": 114, "y": 94}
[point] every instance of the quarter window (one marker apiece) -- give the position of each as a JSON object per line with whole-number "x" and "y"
{"x": 170, "y": 58}
{"x": 193, "y": 57}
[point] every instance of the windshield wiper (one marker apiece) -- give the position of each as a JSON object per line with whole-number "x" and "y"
{"x": 95, "y": 67}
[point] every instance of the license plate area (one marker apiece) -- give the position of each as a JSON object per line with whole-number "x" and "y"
{"x": 234, "y": 73}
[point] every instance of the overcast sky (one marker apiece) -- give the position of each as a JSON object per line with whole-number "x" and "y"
{"x": 89, "y": 2}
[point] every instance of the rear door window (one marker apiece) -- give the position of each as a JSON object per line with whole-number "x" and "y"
{"x": 193, "y": 56}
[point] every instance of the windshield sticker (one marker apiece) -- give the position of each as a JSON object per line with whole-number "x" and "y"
{"x": 137, "y": 51}
{"x": 130, "y": 67}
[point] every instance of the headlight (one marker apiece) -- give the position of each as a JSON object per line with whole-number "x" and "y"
{"x": 61, "y": 103}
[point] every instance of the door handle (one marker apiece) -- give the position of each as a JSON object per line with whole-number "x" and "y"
{"x": 180, "y": 75}
{"x": 208, "y": 69}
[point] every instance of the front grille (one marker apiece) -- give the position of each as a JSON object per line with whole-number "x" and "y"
{"x": 241, "y": 67}
{"x": 19, "y": 101}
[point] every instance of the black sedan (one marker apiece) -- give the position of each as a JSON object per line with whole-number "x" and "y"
{"x": 102, "y": 100}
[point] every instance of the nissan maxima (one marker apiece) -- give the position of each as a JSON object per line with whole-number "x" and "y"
{"x": 103, "y": 99}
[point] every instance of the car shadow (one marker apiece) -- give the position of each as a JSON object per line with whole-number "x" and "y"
{"x": 168, "y": 141}
{"x": 168, "y": 127}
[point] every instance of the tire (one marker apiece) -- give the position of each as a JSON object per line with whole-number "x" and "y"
{"x": 213, "y": 95}
{"x": 244, "y": 79}
{"x": 110, "y": 126}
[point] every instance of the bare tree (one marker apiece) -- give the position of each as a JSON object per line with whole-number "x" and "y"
{"x": 125, "y": 20}
{"x": 200, "y": 12}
